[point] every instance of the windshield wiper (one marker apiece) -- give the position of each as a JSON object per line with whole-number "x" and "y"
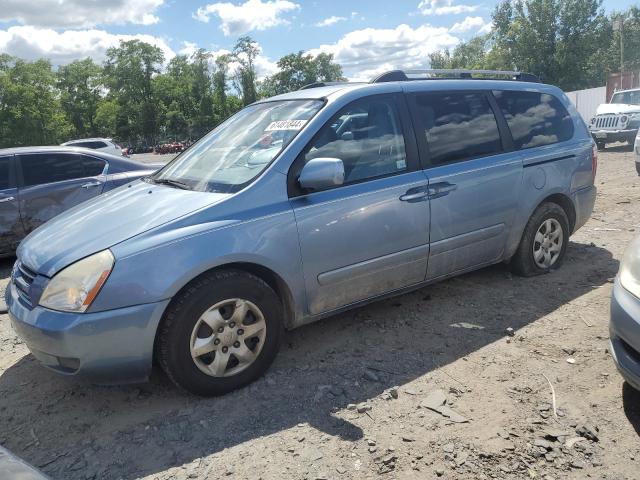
{"x": 171, "y": 182}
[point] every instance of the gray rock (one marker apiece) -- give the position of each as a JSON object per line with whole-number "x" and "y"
{"x": 588, "y": 431}
{"x": 448, "y": 448}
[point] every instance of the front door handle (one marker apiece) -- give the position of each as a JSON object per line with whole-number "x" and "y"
{"x": 440, "y": 189}
{"x": 6, "y": 199}
{"x": 416, "y": 194}
{"x": 91, "y": 184}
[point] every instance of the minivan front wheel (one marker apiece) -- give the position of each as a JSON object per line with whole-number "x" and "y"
{"x": 544, "y": 241}
{"x": 220, "y": 333}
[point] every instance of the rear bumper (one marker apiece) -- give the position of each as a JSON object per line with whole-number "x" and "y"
{"x": 624, "y": 334}
{"x": 114, "y": 346}
{"x": 614, "y": 135}
{"x": 584, "y": 200}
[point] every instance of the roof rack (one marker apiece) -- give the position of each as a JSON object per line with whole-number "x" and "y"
{"x": 321, "y": 84}
{"x": 437, "y": 74}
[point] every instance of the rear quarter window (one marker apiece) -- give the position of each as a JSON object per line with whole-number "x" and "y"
{"x": 535, "y": 119}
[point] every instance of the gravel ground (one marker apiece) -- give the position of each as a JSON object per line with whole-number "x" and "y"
{"x": 348, "y": 397}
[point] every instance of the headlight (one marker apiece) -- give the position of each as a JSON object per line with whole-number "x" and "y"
{"x": 74, "y": 288}
{"x": 630, "y": 268}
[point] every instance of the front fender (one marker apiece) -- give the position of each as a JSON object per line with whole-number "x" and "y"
{"x": 157, "y": 272}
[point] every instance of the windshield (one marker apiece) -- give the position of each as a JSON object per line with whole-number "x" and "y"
{"x": 236, "y": 152}
{"x": 627, "y": 98}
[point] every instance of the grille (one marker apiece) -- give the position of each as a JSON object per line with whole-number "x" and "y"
{"x": 607, "y": 121}
{"x": 23, "y": 277}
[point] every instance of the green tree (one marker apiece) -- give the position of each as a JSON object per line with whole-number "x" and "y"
{"x": 80, "y": 85}
{"x": 562, "y": 41}
{"x": 30, "y": 111}
{"x": 105, "y": 118}
{"x": 299, "y": 69}
{"x": 202, "y": 94}
{"x": 471, "y": 54}
{"x": 245, "y": 52}
{"x": 129, "y": 71}
{"x": 220, "y": 82}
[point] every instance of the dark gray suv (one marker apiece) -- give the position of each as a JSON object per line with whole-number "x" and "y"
{"x": 38, "y": 183}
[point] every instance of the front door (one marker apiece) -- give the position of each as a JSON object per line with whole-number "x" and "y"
{"x": 370, "y": 235}
{"x": 11, "y": 231}
{"x": 53, "y": 182}
{"x": 474, "y": 178}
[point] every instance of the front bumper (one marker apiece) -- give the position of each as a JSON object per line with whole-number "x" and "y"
{"x": 624, "y": 333}
{"x": 610, "y": 136}
{"x": 114, "y": 346}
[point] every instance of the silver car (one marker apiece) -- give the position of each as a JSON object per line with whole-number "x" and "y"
{"x": 624, "y": 326}
{"x": 38, "y": 183}
{"x": 296, "y": 208}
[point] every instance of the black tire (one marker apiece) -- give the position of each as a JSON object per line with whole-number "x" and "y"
{"x": 523, "y": 262}
{"x": 601, "y": 145}
{"x": 179, "y": 320}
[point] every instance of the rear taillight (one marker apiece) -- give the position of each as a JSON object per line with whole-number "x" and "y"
{"x": 594, "y": 161}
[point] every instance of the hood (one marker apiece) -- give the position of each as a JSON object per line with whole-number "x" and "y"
{"x": 617, "y": 108}
{"x": 106, "y": 220}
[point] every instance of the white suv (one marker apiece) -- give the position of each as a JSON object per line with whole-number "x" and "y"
{"x": 101, "y": 144}
{"x": 618, "y": 120}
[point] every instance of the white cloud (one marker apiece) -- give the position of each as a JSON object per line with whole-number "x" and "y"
{"x": 32, "y": 43}
{"x": 330, "y": 21}
{"x": 249, "y": 16}
{"x": 365, "y": 53}
{"x": 79, "y": 13}
{"x": 468, "y": 24}
{"x": 487, "y": 28}
{"x": 188, "y": 48}
{"x": 444, "y": 7}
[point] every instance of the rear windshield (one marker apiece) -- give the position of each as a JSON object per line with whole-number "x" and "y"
{"x": 235, "y": 153}
{"x": 535, "y": 119}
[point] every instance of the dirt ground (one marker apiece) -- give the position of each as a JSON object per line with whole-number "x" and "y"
{"x": 327, "y": 407}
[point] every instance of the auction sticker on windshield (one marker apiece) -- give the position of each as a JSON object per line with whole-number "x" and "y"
{"x": 285, "y": 125}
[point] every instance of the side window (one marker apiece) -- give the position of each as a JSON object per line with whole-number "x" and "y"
{"x": 5, "y": 181}
{"x": 367, "y": 136}
{"x": 96, "y": 145}
{"x": 535, "y": 119}
{"x": 458, "y": 126}
{"x": 92, "y": 166}
{"x": 50, "y": 167}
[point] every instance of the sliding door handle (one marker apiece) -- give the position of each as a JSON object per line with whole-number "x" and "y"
{"x": 441, "y": 189}
{"x": 416, "y": 194}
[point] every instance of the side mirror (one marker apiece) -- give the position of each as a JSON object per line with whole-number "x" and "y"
{"x": 321, "y": 173}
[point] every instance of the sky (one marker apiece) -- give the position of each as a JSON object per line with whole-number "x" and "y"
{"x": 365, "y": 36}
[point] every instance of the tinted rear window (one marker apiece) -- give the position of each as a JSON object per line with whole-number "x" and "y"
{"x": 458, "y": 126}
{"x": 92, "y": 166}
{"x": 535, "y": 119}
{"x": 50, "y": 167}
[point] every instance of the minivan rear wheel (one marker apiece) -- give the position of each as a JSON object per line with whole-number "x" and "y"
{"x": 220, "y": 333}
{"x": 544, "y": 241}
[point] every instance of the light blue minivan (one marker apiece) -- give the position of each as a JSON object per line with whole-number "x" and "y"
{"x": 296, "y": 208}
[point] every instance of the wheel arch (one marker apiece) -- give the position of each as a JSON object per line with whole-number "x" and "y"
{"x": 565, "y": 203}
{"x": 269, "y": 276}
